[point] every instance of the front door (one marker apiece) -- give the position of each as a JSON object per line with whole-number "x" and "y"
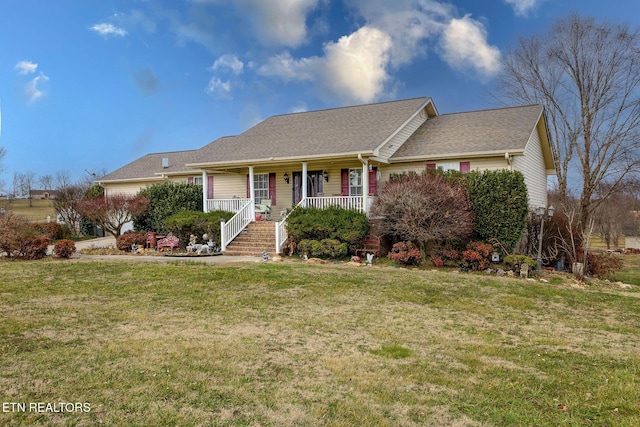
{"x": 315, "y": 183}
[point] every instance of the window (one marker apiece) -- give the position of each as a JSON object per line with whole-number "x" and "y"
{"x": 449, "y": 166}
{"x": 197, "y": 180}
{"x": 261, "y": 186}
{"x": 463, "y": 167}
{"x": 355, "y": 182}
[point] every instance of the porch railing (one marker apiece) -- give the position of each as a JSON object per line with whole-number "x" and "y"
{"x": 230, "y": 229}
{"x": 228, "y": 205}
{"x": 345, "y": 202}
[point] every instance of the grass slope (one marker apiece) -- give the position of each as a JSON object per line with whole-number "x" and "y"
{"x": 293, "y": 344}
{"x": 38, "y": 212}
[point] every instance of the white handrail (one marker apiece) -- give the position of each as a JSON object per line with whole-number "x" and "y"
{"x": 281, "y": 227}
{"x": 230, "y": 229}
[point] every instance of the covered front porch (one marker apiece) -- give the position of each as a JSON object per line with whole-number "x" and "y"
{"x": 349, "y": 184}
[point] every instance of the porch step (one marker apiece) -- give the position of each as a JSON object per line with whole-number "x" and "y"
{"x": 258, "y": 237}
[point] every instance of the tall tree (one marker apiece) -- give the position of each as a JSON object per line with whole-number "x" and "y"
{"x": 46, "y": 182}
{"x": 66, "y": 205}
{"x": 587, "y": 76}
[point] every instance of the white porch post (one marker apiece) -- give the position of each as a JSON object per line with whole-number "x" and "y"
{"x": 252, "y": 193}
{"x": 304, "y": 180}
{"x": 365, "y": 185}
{"x": 205, "y": 192}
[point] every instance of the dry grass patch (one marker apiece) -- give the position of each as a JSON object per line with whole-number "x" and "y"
{"x": 293, "y": 344}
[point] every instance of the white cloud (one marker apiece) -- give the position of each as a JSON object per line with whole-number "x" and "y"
{"x": 299, "y": 108}
{"x": 279, "y": 22}
{"x": 219, "y": 88}
{"x": 465, "y": 47}
{"x": 25, "y": 67}
{"x": 360, "y": 67}
{"x": 353, "y": 68}
{"x": 32, "y": 89}
{"x": 106, "y": 29}
{"x": 523, "y": 7}
{"x": 288, "y": 68}
{"x": 356, "y": 65}
{"x": 228, "y": 62}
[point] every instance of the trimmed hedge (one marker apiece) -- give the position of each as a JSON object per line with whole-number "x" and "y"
{"x": 499, "y": 201}
{"x": 348, "y": 227}
{"x": 167, "y": 199}
{"x": 185, "y": 223}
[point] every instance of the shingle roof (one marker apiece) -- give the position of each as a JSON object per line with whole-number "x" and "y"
{"x": 150, "y": 165}
{"x": 354, "y": 129}
{"x": 486, "y": 131}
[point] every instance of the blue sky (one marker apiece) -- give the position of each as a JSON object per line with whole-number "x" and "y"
{"x": 94, "y": 84}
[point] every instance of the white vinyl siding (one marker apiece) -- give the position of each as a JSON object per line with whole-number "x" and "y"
{"x": 532, "y": 167}
{"x": 389, "y": 149}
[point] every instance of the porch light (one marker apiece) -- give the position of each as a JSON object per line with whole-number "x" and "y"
{"x": 286, "y": 178}
{"x": 325, "y": 175}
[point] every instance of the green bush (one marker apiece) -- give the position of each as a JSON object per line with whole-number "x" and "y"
{"x": 167, "y": 199}
{"x": 185, "y": 223}
{"x": 515, "y": 262}
{"x": 345, "y": 226}
{"x": 325, "y": 248}
{"x": 499, "y": 202}
{"x": 64, "y": 248}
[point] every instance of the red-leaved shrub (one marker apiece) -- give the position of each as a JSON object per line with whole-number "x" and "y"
{"x": 64, "y": 248}
{"x": 124, "y": 241}
{"x": 35, "y": 247}
{"x": 405, "y": 253}
{"x": 477, "y": 255}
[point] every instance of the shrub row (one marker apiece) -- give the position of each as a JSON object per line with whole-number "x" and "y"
{"x": 22, "y": 239}
{"x": 328, "y": 233}
{"x": 185, "y": 223}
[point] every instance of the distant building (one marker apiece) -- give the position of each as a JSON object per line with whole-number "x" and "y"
{"x": 42, "y": 194}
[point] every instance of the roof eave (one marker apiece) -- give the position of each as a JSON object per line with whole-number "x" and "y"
{"x": 127, "y": 180}
{"x": 271, "y": 160}
{"x": 474, "y": 155}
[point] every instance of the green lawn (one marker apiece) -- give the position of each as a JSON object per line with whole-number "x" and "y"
{"x": 312, "y": 345}
{"x": 37, "y": 212}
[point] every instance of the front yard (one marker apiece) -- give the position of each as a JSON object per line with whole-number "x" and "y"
{"x": 294, "y": 344}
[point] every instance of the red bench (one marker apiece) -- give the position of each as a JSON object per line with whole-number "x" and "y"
{"x": 371, "y": 245}
{"x": 170, "y": 241}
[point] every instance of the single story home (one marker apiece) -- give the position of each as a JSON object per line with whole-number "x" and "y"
{"x": 340, "y": 156}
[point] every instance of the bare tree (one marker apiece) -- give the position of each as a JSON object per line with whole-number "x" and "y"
{"x": 113, "y": 212}
{"x": 423, "y": 209}
{"x": 587, "y": 76}
{"x": 46, "y": 182}
{"x": 26, "y": 185}
{"x": 17, "y": 185}
{"x": 66, "y": 205}
{"x": 3, "y": 151}
{"x": 63, "y": 179}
